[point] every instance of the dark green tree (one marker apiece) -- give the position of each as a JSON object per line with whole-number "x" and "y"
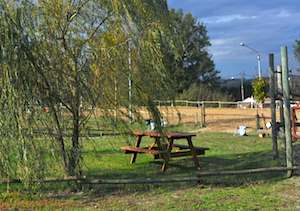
{"x": 190, "y": 63}
{"x": 235, "y": 91}
{"x": 202, "y": 92}
{"x": 296, "y": 50}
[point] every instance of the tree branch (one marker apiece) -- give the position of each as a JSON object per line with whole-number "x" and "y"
{"x": 102, "y": 22}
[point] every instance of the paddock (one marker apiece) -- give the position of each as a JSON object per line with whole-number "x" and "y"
{"x": 216, "y": 119}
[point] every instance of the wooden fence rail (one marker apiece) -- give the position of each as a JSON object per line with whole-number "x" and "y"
{"x": 195, "y": 117}
{"x": 237, "y": 104}
{"x": 195, "y": 103}
{"x": 52, "y": 179}
{"x": 247, "y": 171}
{"x": 141, "y": 181}
{"x": 183, "y": 179}
{"x": 82, "y": 179}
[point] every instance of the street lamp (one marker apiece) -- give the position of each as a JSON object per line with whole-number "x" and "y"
{"x": 258, "y": 58}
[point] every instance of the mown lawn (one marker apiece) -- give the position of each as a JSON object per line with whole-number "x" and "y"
{"x": 103, "y": 159}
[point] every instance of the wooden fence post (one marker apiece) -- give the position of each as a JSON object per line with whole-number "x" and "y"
{"x": 279, "y": 85}
{"x": 273, "y": 111}
{"x": 196, "y": 118}
{"x": 257, "y": 122}
{"x": 203, "y": 115}
{"x": 287, "y": 112}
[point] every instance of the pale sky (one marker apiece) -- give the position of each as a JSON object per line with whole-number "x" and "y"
{"x": 263, "y": 25}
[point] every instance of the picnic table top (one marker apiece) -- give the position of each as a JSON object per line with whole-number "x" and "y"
{"x": 169, "y": 135}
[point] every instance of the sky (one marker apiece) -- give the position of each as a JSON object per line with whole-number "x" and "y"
{"x": 263, "y": 25}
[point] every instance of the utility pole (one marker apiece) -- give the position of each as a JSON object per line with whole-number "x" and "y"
{"x": 242, "y": 86}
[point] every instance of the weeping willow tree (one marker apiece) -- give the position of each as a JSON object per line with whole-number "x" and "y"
{"x": 67, "y": 53}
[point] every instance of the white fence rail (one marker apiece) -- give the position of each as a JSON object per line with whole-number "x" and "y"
{"x": 219, "y": 104}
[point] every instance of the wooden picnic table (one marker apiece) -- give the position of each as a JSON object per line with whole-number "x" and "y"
{"x": 157, "y": 151}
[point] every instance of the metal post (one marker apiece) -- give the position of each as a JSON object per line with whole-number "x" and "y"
{"x": 129, "y": 87}
{"x": 279, "y": 82}
{"x": 279, "y": 79}
{"x": 258, "y": 58}
{"x": 242, "y": 87}
{"x": 287, "y": 112}
{"x": 259, "y": 70}
{"x": 273, "y": 111}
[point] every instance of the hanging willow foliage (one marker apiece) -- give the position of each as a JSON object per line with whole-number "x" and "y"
{"x": 20, "y": 154}
{"x": 58, "y": 54}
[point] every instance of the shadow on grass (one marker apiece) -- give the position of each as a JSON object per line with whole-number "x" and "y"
{"x": 185, "y": 167}
{"x": 227, "y": 153}
{"x": 145, "y": 167}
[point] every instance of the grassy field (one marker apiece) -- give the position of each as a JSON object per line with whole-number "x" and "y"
{"x": 103, "y": 159}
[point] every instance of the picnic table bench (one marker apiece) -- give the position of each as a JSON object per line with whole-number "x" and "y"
{"x": 157, "y": 151}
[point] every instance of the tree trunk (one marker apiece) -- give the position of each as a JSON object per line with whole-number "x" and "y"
{"x": 60, "y": 139}
{"x": 75, "y": 151}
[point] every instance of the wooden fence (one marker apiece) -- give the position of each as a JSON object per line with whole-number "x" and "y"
{"x": 201, "y": 116}
{"x": 83, "y": 180}
{"x": 219, "y": 104}
{"x": 206, "y": 116}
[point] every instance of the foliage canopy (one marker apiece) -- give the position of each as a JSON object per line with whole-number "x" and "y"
{"x": 261, "y": 89}
{"x": 296, "y": 50}
{"x": 190, "y": 62}
{"x": 73, "y": 55}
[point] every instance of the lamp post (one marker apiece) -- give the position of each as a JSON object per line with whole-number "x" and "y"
{"x": 258, "y": 58}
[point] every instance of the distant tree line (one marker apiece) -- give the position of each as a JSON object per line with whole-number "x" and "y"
{"x": 204, "y": 92}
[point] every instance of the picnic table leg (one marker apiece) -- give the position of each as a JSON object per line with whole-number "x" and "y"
{"x": 166, "y": 159}
{"x": 189, "y": 140}
{"x": 137, "y": 144}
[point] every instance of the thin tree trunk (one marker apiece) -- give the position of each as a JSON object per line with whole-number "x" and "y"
{"x": 60, "y": 139}
{"x": 75, "y": 151}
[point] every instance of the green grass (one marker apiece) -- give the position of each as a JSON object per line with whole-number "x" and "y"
{"x": 103, "y": 159}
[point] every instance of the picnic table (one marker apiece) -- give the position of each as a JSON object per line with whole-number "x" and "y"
{"x": 157, "y": 151}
